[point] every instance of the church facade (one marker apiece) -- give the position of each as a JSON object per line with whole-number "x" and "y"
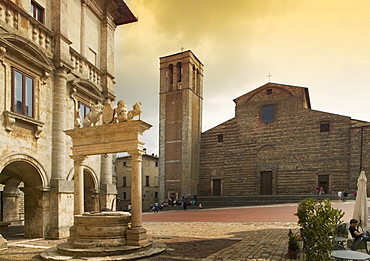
{"x": 276, "y": 144}
{"x": 57, "y": 62}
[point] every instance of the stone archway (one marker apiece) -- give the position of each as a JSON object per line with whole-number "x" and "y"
{"x": 31, "y": 209}
{"x": 91, "y": 200}
{"x": 91, "y": 189}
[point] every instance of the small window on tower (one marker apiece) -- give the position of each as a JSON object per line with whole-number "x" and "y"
{"x": 269, "y": 91}
{"x": 324, "y": 127}
{"x": 220, "y": 138}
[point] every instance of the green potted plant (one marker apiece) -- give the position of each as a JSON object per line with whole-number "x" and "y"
{"x": 293, "y": 246}
{"x": 320, "y": 222}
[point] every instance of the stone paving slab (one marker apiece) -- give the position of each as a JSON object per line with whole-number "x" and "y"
{"x": 260, "y": 241}
{"x": 254, "y": 241}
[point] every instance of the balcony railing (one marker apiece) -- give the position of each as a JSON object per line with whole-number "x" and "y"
{"x": 16, "y": 20}
{"x": 84, "y": 69}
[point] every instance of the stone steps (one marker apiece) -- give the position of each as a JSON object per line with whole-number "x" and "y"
{"x": 239, "y": 201}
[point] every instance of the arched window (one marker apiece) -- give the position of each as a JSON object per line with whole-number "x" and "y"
{"x": 179, "y": 71}
{"x": 195, "y": 79}
{"x": 170, "y": 77}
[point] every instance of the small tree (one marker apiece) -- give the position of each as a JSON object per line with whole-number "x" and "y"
{"x": 319, "y": 221}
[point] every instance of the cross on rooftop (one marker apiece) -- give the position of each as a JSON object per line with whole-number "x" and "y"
{"x": 269, "y": 76}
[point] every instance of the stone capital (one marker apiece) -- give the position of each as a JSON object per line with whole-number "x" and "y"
{"x": 136, "y": 154}
{"x": 78, "y": 159}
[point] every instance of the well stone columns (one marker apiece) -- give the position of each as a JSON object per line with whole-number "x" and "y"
{"x": 108, "y": 190}
{"x": 136, "y": 235}
{"x": 78, "y": 184}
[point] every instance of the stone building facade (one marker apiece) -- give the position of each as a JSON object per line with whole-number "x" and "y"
{"x": 56, "y": 61}
{"x": 276, "y": 144}
{"x": 180, "y": 124}
{"x": 150, "y": 184}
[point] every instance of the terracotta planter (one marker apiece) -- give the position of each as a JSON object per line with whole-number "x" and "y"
{"x": 292, "y": 254}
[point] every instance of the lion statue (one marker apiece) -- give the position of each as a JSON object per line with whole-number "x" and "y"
{"x": 94, "y": 115}
{"x": 136, "y": 111}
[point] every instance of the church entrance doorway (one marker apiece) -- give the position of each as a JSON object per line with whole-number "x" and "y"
{"x": 266, "y": 182}
{"x": 217, "y": 187}
{"x": 324, "y": 182}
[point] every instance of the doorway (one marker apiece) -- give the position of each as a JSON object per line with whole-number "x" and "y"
{"x": 324, "y": 182}
{"x": 216, "y": 187}
{"x": 266, "y": 183}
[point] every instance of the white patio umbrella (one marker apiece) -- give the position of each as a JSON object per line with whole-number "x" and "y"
{"x": 360, "y": 211}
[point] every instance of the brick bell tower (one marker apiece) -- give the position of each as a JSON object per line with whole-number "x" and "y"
{"x": 180, "y": 124}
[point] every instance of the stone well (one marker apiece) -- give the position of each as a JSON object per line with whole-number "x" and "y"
{"x": 100, "y": 234}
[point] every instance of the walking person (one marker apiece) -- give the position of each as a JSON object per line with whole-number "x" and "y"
{"x": 340, "y": 195}
{"x": 345, "y": 195}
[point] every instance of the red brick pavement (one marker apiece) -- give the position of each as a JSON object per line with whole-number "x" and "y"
{"x": 274, "y": 213}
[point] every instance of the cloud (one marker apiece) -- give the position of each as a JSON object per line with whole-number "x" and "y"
{"x": 318, "y": 44}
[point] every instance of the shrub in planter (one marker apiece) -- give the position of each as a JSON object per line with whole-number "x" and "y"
{"x": 319, "y": 221}
{"x": 293, "y": 246}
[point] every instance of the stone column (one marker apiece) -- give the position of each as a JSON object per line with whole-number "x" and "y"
{"x": 108, "y": 190}
{"x": 136, "y": 235}
{"x": 10, "y": 205}
{"x": 59, "y": 123}
{"x": 83, "y": 28}
{"x": 78, "y": 184}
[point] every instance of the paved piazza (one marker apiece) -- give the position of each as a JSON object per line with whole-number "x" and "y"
{"x": 243, "y": 240}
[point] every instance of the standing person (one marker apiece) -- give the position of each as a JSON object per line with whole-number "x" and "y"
{"x": 200, "y": 205}
{"x": 185, "y": 205}
{"x": 129, "y": 207}
{"x": 345, "y": 195}
{"x": 339, "y": 195}
{"x": 156, "y": 207}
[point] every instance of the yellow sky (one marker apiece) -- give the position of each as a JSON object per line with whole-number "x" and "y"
{"x": 320, "y": 44}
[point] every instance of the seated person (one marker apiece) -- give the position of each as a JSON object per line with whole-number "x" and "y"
{"x": 353, "y": 223}
{"x": 357, "y": 235}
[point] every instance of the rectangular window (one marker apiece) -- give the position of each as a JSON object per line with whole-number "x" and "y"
{"x": 220, "y": 138}
{"x": 269, "y": 91}
{"x": 147, "y": 181}
{"x": 84, "y": 110}
{"x": 23, "y": 93}
{"x": 124, "y": 184}
{"x": 37, "y": 12}
{"x": 124, "y": 164}
{"x": 156, "y": 194}
{"x": 268, "y": 112}
{"x": 124, "y": 195}
{"x": 324, "y": 127}
{"x": 156, "y": 164}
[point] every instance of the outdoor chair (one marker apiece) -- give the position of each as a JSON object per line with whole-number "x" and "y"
{"x": 358, "y": 244}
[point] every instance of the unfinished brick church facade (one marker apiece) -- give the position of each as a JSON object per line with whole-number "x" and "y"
{"x": 276, "y": 144}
